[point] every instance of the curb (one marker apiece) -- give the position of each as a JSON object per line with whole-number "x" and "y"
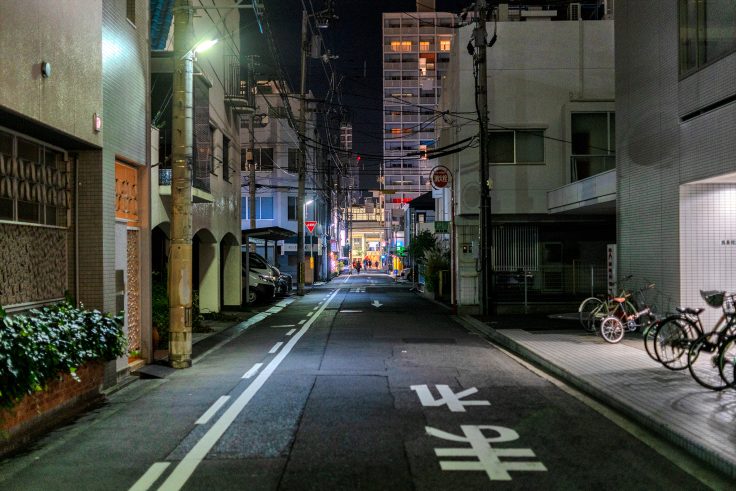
{"x": 666, "y": 432}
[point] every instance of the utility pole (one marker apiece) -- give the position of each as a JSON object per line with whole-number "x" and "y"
{"x": 180, "y": 256}
{"x": 302, "y": 158}
{"x": 252, "y": 161}
{"x": 484, "y": 221}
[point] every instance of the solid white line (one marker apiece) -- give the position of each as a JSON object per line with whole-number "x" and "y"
{"x": 275, "y": 310}
{"x": 150, "y": 477}
{"x": 275, "y": 347}
{"x": 302, "y": 321}
{"x": 205, "y": 418}
{"x": 180, "y": 475}
{"x": 292, "y": 331}
{"x": 284, "y": 325}
{"x": 254, "y": 369}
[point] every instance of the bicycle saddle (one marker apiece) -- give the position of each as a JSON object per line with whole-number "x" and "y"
{"x": 619, "y": 299}
{"x": 690, "y": 311}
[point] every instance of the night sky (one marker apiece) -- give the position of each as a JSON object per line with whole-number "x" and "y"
{"x": 356, "y": 39}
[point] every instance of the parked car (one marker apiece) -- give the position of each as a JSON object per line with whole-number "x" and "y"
{"x": 259, "y": 264}
{"x": 261, "y": 287}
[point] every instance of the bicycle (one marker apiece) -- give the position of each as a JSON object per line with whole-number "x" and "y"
{"x": 589, "y": 309}
{"x": 681, "y": 340}
{"x": 628, "y": 312}
{"x": 613, "y": 329}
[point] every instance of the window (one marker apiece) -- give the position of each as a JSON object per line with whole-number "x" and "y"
{"x": 404, "y": 46}
{"x": 225, "y": 158}
{"x": 516, "y": 147}
{"x": 293, "y": 160}
{"x": 292, "y": 208}
{"x": 707, "y": 32}
{"x": 40, "y": 193}
{"x": 263, "y": 158}
{"x": 423, "y": 45}
{"x": 444, "y": 45}
{"x": 130, "y": 10}
{"x": 395, "y": 46}
{"x": 593, "y": 143}
{"x": 264, "y": 208}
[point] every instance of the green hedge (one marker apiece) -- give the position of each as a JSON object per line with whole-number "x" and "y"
{"x": 35, "y": 348}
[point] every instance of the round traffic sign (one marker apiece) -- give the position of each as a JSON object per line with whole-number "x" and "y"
{"x": 440, "y": 177}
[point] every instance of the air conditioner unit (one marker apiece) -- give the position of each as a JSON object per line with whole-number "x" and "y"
{"x": 574, "y": 12}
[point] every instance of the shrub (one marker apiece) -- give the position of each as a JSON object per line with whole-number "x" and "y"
{"x": 160, "y": 308}
{"x": 35, "y": 348}
{"x": 435, "y": 260}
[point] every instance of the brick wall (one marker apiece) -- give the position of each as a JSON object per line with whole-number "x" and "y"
{"x": 37, "y": 412}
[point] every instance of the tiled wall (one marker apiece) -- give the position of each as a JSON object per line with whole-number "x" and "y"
{"x": 656, "y": 152}
{"x": 707, "y": 243}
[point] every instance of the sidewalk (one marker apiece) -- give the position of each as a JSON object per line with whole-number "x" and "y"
{"x": 623, "y": 377}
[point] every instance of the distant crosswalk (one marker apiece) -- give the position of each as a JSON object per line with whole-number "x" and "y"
{"x": 360, "y": 289}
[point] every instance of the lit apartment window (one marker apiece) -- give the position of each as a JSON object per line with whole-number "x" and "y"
{"x": 423, "y": 45}
{"x": 395, "y": 45}
{"x": 516, "y": 147}
{"x": 707, "y": 32}
{"x": 405, "y": 45}
{"x": 444, "y": 45}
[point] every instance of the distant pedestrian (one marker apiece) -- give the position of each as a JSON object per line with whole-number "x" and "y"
{"x": 357, "y": 266}
{"x": 370, "y": 263}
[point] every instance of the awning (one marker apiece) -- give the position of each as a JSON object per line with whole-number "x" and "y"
{"x": 267, "y": 233}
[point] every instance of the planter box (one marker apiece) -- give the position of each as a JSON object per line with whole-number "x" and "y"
{"x": 40, "y": 411}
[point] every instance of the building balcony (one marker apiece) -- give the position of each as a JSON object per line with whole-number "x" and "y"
{"x": 593, "y": 195}
{"x": 238, "y": 95}
{"x": 200, "y": 187}
{"x": 584, "y": 166}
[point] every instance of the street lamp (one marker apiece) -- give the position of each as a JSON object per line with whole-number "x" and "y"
{"x": 180, "y": 257}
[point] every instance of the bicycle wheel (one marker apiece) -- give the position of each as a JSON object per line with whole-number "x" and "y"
{"x": 586, "y": 309}
{"x": 650, "y": 336}
{"x": 703, "y": 362}
{"x": 612, "y": 330}
{"x": 672, "y": 341}
{"x": 727, "y": 361}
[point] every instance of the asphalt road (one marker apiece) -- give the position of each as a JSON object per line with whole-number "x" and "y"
{"x": 360, "y": 384}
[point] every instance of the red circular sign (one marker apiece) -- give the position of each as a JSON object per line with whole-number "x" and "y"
{"x": 440, "y": 177}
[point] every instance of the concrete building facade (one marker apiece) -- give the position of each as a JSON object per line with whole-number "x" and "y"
{"x": 417, "y": 48}
{"x": 551, "y": 106}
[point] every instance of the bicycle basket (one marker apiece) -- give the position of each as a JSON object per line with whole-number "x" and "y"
{"x": 714, "y": 298}
{"x": 729, "y": 305}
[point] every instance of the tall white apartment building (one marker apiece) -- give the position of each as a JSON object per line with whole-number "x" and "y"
{"x": 416, "y": 52}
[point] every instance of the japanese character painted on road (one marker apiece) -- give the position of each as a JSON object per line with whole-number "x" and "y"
{"x": 488, "y": 458}
{"x": 448, "y": 397}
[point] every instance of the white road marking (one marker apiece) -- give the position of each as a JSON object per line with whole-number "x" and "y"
{"x": 309, "y": 314}
{"x": 316, "y": 307}
{"x": 376, "y": 303}
{"x": 253, "y": 370}
{"x": 150, "y": 477}
{"x": 275, "y": 309}
{"x": 351, "y": 311}
{"x": 447, "y": 397}
{"x": 275, "y": 347}
{"x": 205, "y": 418}
{"x": 285, "y": 302}
{"x": 186, "y": 467}
{"x": 284, "y": 325}
{"x": 302, "y": 321}
{"x": 292, "y": 331}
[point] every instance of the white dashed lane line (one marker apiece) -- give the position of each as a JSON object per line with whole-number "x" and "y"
{"x": 275, "y": 347}
{"x": 254, "y": 369}
{"x": 292, "y": 331}
{"x": 205, "y": 418}
{"x": 302, "y": 321}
